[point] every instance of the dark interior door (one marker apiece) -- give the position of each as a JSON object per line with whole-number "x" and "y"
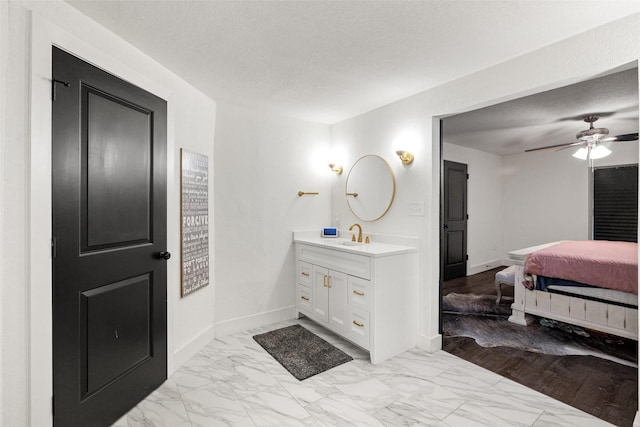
{"x": 109, "y": 228}
{"x": 454, "y": 220}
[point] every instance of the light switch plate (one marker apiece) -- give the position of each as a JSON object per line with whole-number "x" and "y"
{"x": 416, "y": 208}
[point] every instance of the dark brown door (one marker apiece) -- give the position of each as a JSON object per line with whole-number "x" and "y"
{"x": 454, "y": 220}
{"x": 109, "y": 228}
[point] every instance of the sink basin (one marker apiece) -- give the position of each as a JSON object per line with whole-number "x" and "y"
{"x": 351, "y": 243}
{"x": 340, "y": 242}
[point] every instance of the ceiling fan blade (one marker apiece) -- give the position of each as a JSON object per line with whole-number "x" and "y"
{"x": 625, "y": 137}
{"x": 575, "y": 144}
{"x": 570, "y": 144}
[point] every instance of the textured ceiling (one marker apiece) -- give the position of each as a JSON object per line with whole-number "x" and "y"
{"x": 326, "y": 61}
{"x": 549, "y": 118}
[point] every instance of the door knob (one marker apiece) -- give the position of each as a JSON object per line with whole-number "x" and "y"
{"x": 446, "y": 226}
{"x": 164, "y": 255}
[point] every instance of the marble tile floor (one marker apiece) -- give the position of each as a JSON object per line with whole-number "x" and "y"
{"x": 234, "y": 382}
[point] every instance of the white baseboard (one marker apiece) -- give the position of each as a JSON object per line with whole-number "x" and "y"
{"x": 636, "y": 420}
{"x": 430, "y": 344}
{"x": 190, "y": 349}
{"x": 240, "y": 324}
{"x": 488, "y": 266}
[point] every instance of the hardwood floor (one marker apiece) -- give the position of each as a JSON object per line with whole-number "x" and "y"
{"x": 479, "y": 284}
{"x": 600, "y": 387}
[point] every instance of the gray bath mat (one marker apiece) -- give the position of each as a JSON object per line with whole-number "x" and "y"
{"x": 301, "y": 352}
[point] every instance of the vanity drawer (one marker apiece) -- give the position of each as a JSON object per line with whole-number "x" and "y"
{"x": 304, "y": 273}
{"x": 359, "y": 330}
{"x": 303, "y": 298}
{"x": 345, "y": 262}
{"x": 360, "y": 293}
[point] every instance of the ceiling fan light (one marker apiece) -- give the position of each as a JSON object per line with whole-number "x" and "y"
{"x": 581, "y": 153}
{"x": 599, "y": 152}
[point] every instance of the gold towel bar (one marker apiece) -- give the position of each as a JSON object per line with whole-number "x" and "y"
{"x": 302, "y": 193}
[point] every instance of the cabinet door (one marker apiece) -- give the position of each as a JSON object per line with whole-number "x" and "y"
{"x": 337, "y": 300}
{"x": 320, "y": 298}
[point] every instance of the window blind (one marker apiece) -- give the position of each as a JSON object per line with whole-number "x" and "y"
{"x": 615, "y": 204}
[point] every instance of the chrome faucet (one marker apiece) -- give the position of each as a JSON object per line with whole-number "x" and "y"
{"x": 359, "y": 231}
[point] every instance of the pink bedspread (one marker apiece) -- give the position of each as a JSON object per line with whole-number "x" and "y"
{"x": 612, "y": 265}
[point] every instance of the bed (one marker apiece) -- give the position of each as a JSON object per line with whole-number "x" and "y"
{"x": 592, "y": 284}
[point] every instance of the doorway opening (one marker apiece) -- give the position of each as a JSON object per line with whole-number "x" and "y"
{"x": 519, "y": 199}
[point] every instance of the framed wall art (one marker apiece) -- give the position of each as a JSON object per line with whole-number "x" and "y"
{"x": 194, "y": 227}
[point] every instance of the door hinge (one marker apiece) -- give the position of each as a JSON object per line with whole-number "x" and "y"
{"x": 53, "y": 87}
{"x": 53, "y": 405}
{"x": 467, "y": 176}
{"x": 54, "y": 247}
{"x": 467, "y": 216}
{"x": 466, "y": 257}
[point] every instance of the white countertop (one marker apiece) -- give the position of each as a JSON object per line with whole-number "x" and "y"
{"x": 373, "y": 249}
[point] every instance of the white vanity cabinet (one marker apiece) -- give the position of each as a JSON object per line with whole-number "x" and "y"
{"x": 367, "y": 295}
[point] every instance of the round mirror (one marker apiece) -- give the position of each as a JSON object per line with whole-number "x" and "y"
{"x": 371, "y": 187}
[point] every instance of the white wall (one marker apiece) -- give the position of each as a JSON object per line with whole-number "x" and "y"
{"x": 485, "y": 206}
{"x": 262, "y": 160}
{"x": 622, "y": 153}
{"x": 553, "y": 66}
{"x": 194, "y": 120}
{"x": 14, "y": 335}
{"x": 554, "y": 204}
{"x": 546, "y": 196}
{"x": 25, "y": 369}
{"x": 374, "y": 133}
{"x": 4, "y": 55}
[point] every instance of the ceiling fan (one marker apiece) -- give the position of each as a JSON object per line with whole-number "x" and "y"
{"x": 590, "y": 140}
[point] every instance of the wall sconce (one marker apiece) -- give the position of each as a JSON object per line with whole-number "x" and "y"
{"x": 336, "y": 168}
{"x": 405, "y": 156}
{"x": 405, "y": 144}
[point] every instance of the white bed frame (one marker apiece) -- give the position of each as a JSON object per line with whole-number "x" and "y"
{"x": 599, "y": 316}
